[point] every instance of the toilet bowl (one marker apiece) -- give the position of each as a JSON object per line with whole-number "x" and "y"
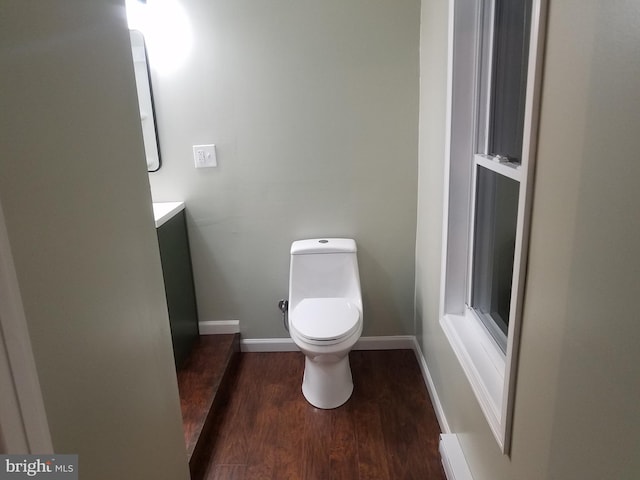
{"x": 325, "y": 316}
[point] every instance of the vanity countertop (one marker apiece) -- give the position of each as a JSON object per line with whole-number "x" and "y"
{"x": 164, "y": 211}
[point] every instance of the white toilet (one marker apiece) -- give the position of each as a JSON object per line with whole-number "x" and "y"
{"x": 325, "y": 315}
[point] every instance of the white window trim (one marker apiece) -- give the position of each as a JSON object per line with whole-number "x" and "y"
{"x": 490, "y": 372}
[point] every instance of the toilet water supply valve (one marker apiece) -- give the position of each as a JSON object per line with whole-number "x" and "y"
{"x": 283, "y": 305}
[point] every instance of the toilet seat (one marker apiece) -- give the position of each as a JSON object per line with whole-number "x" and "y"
{"x": 325, "y": 321}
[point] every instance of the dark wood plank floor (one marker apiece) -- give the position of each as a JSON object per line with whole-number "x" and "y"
{"x": 199, "y": 380}
{"x": 266, "y": 430}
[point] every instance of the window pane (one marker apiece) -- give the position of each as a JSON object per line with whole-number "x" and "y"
{"x": 493, "y": 249}
{"x": 510, "y": 53}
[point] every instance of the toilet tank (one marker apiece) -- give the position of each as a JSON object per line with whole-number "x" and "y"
{"x": 324, "y": 268}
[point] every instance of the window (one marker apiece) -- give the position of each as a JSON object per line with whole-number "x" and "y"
{"x": 494, "y": 241}
{"x": 494, "y": 58}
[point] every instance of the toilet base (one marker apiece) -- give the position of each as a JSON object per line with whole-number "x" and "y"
{"x": 327, "y": 381}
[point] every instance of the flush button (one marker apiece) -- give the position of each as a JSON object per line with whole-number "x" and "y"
{"x": 323, "y": 241}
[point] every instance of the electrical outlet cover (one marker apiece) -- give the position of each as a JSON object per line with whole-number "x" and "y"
{"x": 204, "y": 156}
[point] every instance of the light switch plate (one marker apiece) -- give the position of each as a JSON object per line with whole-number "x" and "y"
{"x": 204, "y": 156}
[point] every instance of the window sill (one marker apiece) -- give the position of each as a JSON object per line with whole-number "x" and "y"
{"x": 484, "y": 365}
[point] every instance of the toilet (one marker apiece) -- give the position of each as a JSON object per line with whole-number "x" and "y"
{"x": 325, "y": 315}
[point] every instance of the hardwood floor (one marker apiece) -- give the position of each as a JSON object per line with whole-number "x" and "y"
{"x": 265, "y": 429}
{"x": 209, "y": 364}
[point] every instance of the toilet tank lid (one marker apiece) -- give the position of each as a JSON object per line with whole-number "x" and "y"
{"x": 323, "y": 245}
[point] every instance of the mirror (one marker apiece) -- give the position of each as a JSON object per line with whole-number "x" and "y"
{"x": 145, "y": 101}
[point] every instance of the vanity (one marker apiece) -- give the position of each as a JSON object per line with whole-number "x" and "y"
{"x": 203, "y": 380}
{"x": 175, "y": 256}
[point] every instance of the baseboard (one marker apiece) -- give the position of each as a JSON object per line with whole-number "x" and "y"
{"x": 394, "y": 342}
{"x": 267, "y": 345}
{"x": 431, "y": 388}
{"x": 390, "y": 342}
{"x": 217, "y": 327}
{"x": 453, "y": 461}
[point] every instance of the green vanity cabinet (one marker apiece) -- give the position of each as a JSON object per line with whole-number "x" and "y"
{"x": 178, "y": 282}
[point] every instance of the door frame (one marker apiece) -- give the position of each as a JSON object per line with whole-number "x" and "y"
{"x": 23, "y": 421}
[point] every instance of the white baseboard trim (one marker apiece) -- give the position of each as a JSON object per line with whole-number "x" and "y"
{"x": 390, "y": 342}
{"x": 267, "y": 345}
{"x": 218, "y": 327}
{"x": 453, "y": 461}
{"x": 431, "y": 388}
{"x": 394, "y": 342}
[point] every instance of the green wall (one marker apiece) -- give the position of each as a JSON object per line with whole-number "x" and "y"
{"x": 75, "y": 195}
{"x": 576, "y": 409}
{"x": 313, "y": 107}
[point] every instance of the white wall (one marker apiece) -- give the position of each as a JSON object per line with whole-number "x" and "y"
{"x": 576, "y": 411}
{"x": 74, "y": 191}
{"x": 313, "y": 107}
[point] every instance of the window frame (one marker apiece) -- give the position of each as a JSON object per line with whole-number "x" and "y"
{"x": 490, "y": 371}
{"x": 487, "y": 319}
